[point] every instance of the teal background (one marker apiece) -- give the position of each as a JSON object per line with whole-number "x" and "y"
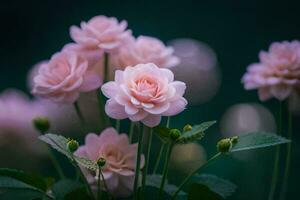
{"x": 237, "y": 30}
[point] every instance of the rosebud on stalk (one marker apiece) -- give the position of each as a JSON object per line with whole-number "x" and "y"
{"x": 187, "y": 128}
{"x": 42, "y": 124}
{"x": 224, "y": 145}
{"x": 101, "y": 162}
{"x": 72, "y": 145}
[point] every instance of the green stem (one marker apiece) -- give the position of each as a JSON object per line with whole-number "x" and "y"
{"x": 288, "y": 158}
{"x": 131, "y": 131}
{"x": 103, "y": 117}
{"x": 148, "y": 132}
{"x": 165, "y": 170}
{"x": 80, "y": 115}
{"x": 106, "y": 67}
{"x": 137, "y": 168}
{"x": 168, "y": 122}
{"x": 56, "y": 164}
{"x": 193, "y": 173}
{"x": 118, "y": 124}
{"x": 104, "y": 183}
{"x": 277, "y": 156}
{"x": 157, "y": 162}
{"x": 99, "y": 185}
{"x": 84, "y": 180}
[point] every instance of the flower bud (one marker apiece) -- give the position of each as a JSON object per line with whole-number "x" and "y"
{"x": 234, "y": 139}
{"x": 187, "y": 128}
{"x": 101, "y": 162}
{"x": 224, "y": 145}
{"x": 42, "y": 124}
{"x": 175, "y": 134}
{"x": 72, "y": 145}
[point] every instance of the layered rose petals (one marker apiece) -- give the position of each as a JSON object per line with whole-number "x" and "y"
{"x": 64, "y": 77}
{"x": 144, "y": 93}
{"x": 146, "y": 50}
{"x": 120, "y": 156}
{"x": 278, "y": 73}
{"x": 101, "y": 32}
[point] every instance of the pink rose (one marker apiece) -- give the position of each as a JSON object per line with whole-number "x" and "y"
{"x": 278, "y": 73}
{"x": 146, "y": 50}
{"x": 144, "y": 93}
{"x": 120, "y": 156}
{"x": 64, "y": 77}
{"x": 101, "y": 32}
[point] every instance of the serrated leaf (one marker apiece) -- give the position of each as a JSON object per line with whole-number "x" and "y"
{"x": 257, "y": 140}
{"x": 86, "y": 163}
{"x": 57, "y": 142}
{"x": 154, "y": 180}
{"x": 196, "y": 133}
{"x": 64, "y": 187}
{"x": 30, "y": 179}
{"x": 202, "y": 192}
{"x": 218, "y": 185}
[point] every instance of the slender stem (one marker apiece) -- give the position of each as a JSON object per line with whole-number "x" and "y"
{"x": 137, "y": 168}
{"x": 277, "y": 156}
{"x": 149, "y": 132}
{"x": 288, "y": 158}
{"x": 157, "y": 162}
{"x": 80, "y": 115}
{"x": 165, "y": 170}
{"x": 99, "y": 185}
{"x": 131, "y": 131}
{"x": 168, "y": 122}
{"x": 193, "y": 173}
{"x": 118, "y": 124}
{"x": 104, "y": 183}
{"x": 106, "y": 67}
{"x": 87, "y": 185}
{"x": 56, "y": 164}
{"x": 103, "y": 117}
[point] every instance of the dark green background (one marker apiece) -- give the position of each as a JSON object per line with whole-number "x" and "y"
{"x": 33, "y": 30}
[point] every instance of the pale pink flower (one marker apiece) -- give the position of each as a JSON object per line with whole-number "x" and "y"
{"x": 145, "y": 50}
{"x": 144, "y": 93}
{"x": 101, "y": 32}
{"x": 64, "y": 77}
{"x": 120, "y": 156}
{"x": 278, "y": 72}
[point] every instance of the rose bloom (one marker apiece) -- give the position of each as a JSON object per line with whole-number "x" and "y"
{"x": 64, "y": 77}
{"x": 144, "y": 93}
{"x": 145, "y": 50}
{"x": 278, "y": 72}
{"x": 120, "y": 156}
{"x": 101, "y": 32}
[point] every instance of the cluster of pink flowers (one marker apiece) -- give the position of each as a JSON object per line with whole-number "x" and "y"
{"x": 120, "y": 157}
{"x": 278, "y": 72}
{"x": 78, "y": 67}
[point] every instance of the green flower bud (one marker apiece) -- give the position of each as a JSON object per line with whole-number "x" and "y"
{"x": 187, "y": 128}
{"x": 175, "y": 134}
{"x": 234, "y": 139}
{"x": 42, "y": 124}
{"x": 72, "y": 145}
{"x": 101, "y": 162}
{"x": 224, "y": 145}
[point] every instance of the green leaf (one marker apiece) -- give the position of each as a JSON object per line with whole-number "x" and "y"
{"x": 13, "y": 187}
{"x": 222, "y": 187}
{"x": 152, "y": 192}
{"x": 22, "y": 194}
{"x": 163, "y": 133}
{"x": 154, "y": 180}
{"x": 196, "y": 133}
{"x": 30, "y": 179}
{"x": 202, "y": 192}
{"x": 257, "y": 140}
{"x": 57, "y": 142}
{"x": 84, "y": 162}
{"x": 66, "y": 187}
